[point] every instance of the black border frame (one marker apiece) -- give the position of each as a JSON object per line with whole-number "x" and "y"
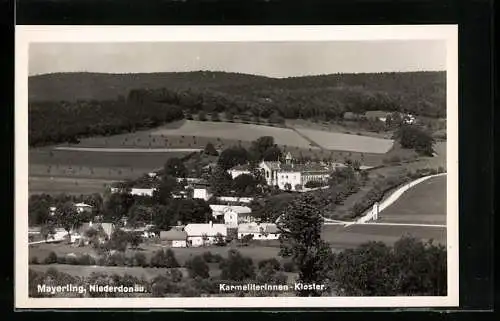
{"x": 476, "y": 88}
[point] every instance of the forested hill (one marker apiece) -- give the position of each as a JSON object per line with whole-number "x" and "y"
{"x": 99, "y": 86}
{"x": 87, "y": 104}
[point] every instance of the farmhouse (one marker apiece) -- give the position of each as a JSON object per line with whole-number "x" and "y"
{"x": 142, "y": 191}
{"x": 174, "y": 238}
{"x": 201, "y": 193}
{"x": 378, "y": 115}
{"x": 239, "y": 170}
{"x": 233, "y": 215}
{"x": 233, "y": 199}
{"x": 291, "y": 176}
{"x": 82, "y": 207}
{"x": 204, "y": 234}
{"x": 259, "y": 231}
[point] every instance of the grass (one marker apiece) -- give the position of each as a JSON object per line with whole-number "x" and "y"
{"x": 87, "y": 270}
{"x": 74, "y": 162}
{"x": 74, "y": 186}
{"x": 244, "y": 132}
{"x": 425, "y": 204}
{"x": 347, "y": 142}
{"x": 340, "y": 237}
{"x": 257, "y": 253}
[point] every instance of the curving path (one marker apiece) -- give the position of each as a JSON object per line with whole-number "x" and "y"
{"x": 369, "y": 215}
{"x": 393, "y": 198}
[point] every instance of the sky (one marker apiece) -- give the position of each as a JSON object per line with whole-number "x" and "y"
{"x": 272, "y": 59}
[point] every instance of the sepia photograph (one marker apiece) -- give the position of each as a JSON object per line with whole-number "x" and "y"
{"x": 178, "y": 167}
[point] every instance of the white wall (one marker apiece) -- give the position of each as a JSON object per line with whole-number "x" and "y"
{"x": 236, "y": 173}
{"x": 142, "y": 191}
{"x": 293, "y": 178}
{"x": 260, "y": 236}
{"x": 178, "y": 243}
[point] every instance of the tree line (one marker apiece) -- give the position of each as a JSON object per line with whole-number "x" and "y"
{"x": 409, "y": 267}
{"x": 61, "y": 121}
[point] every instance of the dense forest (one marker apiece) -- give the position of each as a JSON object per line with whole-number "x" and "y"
{"x": 59, "y": 122}
{"x": 66, "y": 106}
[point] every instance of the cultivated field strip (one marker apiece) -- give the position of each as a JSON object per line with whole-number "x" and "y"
{"x": 347, "y": 142}
{"x": 244, "y": 132}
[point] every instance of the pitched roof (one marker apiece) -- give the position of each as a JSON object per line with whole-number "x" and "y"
{"x": 235, "y": 208}
{"x": 82, "y": 205}
{"x": 257, "y": 228}
{"x": 245, "y": 167}
{"x": 377, "y": 114}
{"x": 205, "y": 229}
{"x": 272, "y": 165}
{"x": 306, "y": 168}
{"x": 173, "y": 235}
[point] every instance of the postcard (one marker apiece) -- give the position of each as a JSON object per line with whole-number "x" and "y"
{"x": 236, "y": 166}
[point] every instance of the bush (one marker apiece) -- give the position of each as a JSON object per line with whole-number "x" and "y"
{"x": 51, "y": 258}
{"x": 202, "y": 116}
{"x": 217, "y": 258}
{"x": 208, "y": 257}
{"x": 313, "y": 184}
{"x": 164, "y": 259}
{"x": 116, "y": 259}
{"x": 441, "y": 169}
{"x": 289, "y": 266}
{"x": 85, "y": 259}
{"x": 237, "y": 267}
{"x": 140, "y": 260}
{"x": 198, "y": 267}
{"x": 215, "y": 117}
{"x": 273, "y": 263}
{"x": 34, "y": 260}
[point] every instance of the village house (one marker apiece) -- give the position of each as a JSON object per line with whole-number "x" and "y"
{"x": 201, "y": 193}
{"x": 204, "y": 234}
{"x": 239, "y": 170}
{"x": 259, "y": 231}
{"x": 233, "y": 214}
{"x": 174, "y": 238}
{"x": 142, "y": 191}
{"x": 82, "y": 207}
{"x": 235, "y": 199}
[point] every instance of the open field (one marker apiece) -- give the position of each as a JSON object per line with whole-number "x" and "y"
{"x": 343, "y": 127}
{"x": 257, "y": 253}
{"x": 67, "y": 185}
{"x": 424, "y": 204}
{"x": 340, "y": 237}
{"x": 347, "y": 142}
{"x": 105, "y": 159}
{"x": 247, "y": 132}
{"x": 87, "y": 270}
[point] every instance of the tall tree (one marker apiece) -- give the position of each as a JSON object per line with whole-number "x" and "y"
{"x": 260, "y": 146}
{"x": 233, "y": 156}
{"x": 300, "y": 225}
{"x": 165, "y": 189}
{"x": 175, "y": 167}
{"x": 68, "y": 218}
{"x": 220, "y": 181}
{"x": 210, "y": 150}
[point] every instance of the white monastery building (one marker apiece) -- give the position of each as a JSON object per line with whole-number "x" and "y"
{"x": 287, "y": 175}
